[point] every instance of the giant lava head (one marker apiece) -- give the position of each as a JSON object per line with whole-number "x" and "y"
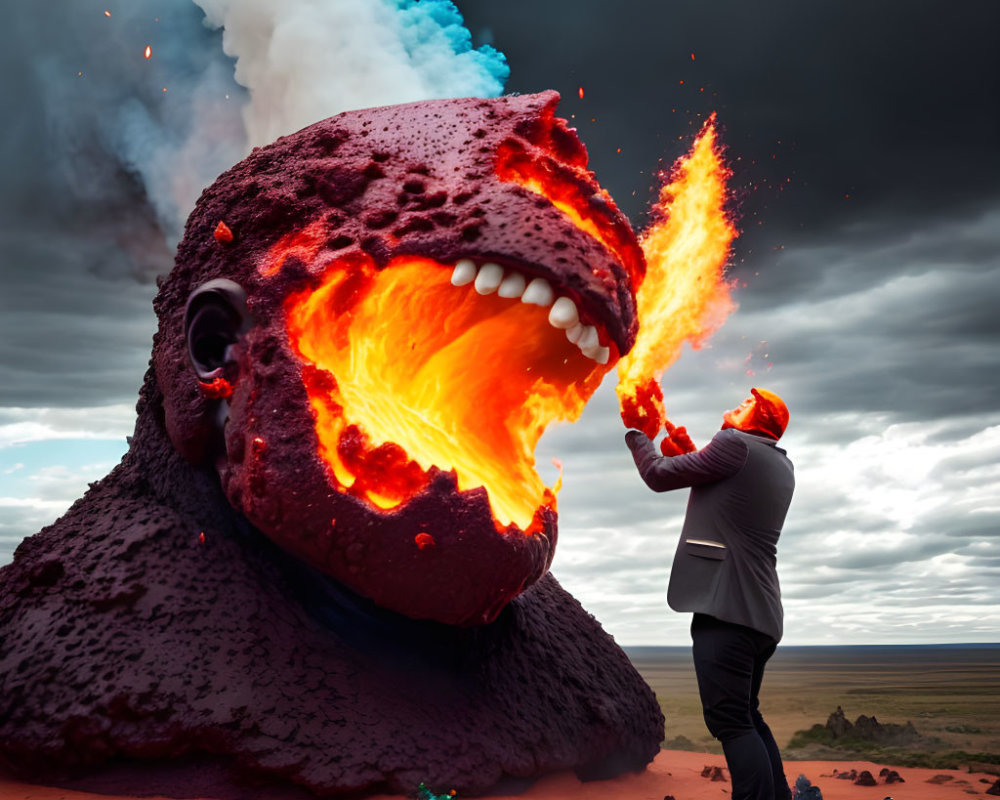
{"x": 382, "y": 421}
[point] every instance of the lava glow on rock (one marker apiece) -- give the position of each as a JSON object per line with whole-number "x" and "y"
{"x": 409, "y": 366}
{"x": 407, "y": 373}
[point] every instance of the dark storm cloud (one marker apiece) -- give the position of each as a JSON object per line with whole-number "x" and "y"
{"x": 913, "y": 339}
{"x": 70, "y": 335}
{"x": 885, "y": 102}
{"x": 867, "y": 175}
{"x": 863, "y": 142}
{"x": 100, "y": 156}
{"x": 107, "y": 137}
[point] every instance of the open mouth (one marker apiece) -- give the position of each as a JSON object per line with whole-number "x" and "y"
{"x": 422, "y": 366}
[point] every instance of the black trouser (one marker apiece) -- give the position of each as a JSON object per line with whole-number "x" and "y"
{"x": 729, "y": 660}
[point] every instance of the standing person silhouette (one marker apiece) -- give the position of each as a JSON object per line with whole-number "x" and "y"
{"x": 724, "y": 571}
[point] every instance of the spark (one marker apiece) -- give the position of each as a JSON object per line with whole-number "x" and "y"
{"x": 580, "y": 92}
{"x": 148, "y": 53}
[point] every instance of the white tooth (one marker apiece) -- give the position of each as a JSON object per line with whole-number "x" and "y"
{"x": 563, "y": 314}
{"x": 574, "y": 333}
{"x": 538, "y": 293}
{"x": 464, "y": 272}
{"x": 598, "y": 354}
{"x": 489, "y": 278}
{"x": 222, "y": 414}
{"x": 512, "y": 286}
{"x": 588, "y": 339}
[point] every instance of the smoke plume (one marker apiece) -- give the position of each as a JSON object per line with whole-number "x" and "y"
{"x": 305, "y": 60}
{"x": 129, "y": 140}
{"x": 104, "y": 151}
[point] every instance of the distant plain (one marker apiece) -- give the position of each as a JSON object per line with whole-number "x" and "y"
{"x": 951, "y": 693}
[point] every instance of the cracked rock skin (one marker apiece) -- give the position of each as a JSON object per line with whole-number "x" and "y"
{"x": 154, "y": 630}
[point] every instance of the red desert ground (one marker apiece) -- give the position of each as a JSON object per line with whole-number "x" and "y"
{"x": 679, "y": 775}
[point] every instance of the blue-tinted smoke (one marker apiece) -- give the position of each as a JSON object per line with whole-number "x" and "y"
{"x": 425, "y": 24}
{"x": 303, "y": 60}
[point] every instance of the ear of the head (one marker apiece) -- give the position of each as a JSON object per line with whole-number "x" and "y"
{"x": 215, "y": 320}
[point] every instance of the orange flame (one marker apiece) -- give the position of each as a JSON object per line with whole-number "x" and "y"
{"x": 684, "y": 296}
{"x": 565, "y": 185}
{"x": 406, "y": 372}
{"x": 148, "y": 53}
{"x": 303, "y": 245}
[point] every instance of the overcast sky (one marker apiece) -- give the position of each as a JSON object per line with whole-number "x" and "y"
{"x": 865, "y": 143}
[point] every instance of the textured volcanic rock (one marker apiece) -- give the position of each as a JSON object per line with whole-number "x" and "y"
{"x": 154, "y": 630}
{"x": 126, "y": 637}
{"x": 865, "y": 778}
{"x": 869, "y": 729}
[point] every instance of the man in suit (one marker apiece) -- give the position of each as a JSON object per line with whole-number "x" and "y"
{"x": 724, "y": 571}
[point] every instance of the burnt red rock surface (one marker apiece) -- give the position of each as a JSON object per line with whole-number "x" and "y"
{"x": 125, "y": 637}
{"x": 153, "y": 629}
{"x": 887, "y": 775}
{"x": 865, "y": 778}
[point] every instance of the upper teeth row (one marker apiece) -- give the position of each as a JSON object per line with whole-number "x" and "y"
{"x": 563, "y": 313}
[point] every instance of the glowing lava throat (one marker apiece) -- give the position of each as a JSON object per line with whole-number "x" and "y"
{"x": 414, "y": 373}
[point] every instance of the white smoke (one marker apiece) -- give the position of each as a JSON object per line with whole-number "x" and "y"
{"x": 176, "y": 162}
{"x": 305, "y": 60}
{"x": 223, "y": 76}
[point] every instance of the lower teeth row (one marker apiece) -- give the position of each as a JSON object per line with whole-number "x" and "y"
{"x": 563, "y": 313}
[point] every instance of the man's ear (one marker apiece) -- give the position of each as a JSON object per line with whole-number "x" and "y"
{"x": 215, "y": 318}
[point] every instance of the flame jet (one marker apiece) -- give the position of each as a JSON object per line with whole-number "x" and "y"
{"x": 684, "y": 296}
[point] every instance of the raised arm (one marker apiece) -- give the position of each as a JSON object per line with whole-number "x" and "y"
{"x": 725, "y": 455}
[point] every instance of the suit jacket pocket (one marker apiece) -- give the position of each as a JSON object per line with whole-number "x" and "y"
{"x": 705, "y": 548}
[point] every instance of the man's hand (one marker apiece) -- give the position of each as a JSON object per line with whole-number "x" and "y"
{"x": 633, "y": 437}
{"x": 676, "y": 442}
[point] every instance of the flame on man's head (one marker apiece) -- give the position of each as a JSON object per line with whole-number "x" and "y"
{"x": 770, "y": 414}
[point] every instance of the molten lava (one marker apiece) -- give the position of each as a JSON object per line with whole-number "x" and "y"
{"x": 684, "y": 296}
{"x": 557, "y": 170}
{"x": 409, "y": 372}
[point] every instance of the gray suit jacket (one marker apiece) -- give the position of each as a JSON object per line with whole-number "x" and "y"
{"x": 741, "y": 486}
